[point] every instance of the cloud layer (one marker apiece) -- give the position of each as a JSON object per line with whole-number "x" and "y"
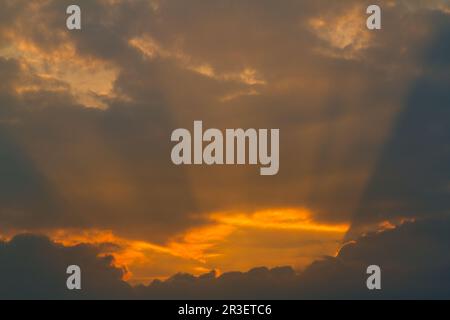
{"x": 412, "y": 258}
{"x": 86, "y": 118}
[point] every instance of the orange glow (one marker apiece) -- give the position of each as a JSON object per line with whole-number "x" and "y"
{"x": 212, "y": 246}
{"x": 217, "y": 245}
{"x": 193, "y": 245}
{"x": 290, "y": 219}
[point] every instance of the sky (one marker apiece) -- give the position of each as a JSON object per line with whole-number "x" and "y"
{"x": 86, "y": 176}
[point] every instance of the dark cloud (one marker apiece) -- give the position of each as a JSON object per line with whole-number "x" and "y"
{"x": 33, "y": 267}
{"x": 22, "y": 180}
{"x": 411, "y": 178}
{"x": 113, "y": 159}
{"x": 413, "y": 259}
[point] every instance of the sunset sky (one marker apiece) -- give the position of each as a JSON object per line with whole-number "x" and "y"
{"x": 364, "y": 118}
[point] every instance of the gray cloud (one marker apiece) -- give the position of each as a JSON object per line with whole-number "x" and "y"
{"x": 32, "y": 267}
{"x": 412, "y": 178}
